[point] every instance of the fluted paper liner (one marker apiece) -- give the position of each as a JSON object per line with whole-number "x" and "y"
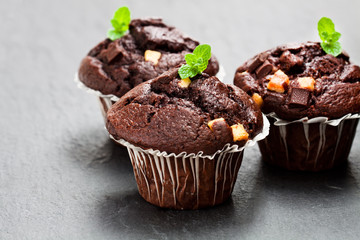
{"x": 107, "y": 100}
{"x": 309, "y": 144}
{"x": 188, "y": 181}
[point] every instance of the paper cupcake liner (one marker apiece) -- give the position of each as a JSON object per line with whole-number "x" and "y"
{"x": 185, "y": 183}
{"x": 188, "y": 181}
{"x": 221, "y": 74}
{"x": 309, "y": 144}
{"x": 81, "y": 85}
{"x": 107, "y": 100}
{"x": 105, "y": 105}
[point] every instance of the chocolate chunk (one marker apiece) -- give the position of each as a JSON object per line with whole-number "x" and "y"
{"x": 289, "y": 60}
{"x": 113, "y": 51}
{"x": 245, "y": 81}
{"x": 222, "y": 131}
{"x": 264, "y": 69}
{"x": 351, "y": 73}
{"x": 299, "y": 97}
{"x": 257, "y": 61}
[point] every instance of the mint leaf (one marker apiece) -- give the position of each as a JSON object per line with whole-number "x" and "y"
{"x": 329, "y": 36}
{"x": 186, "y": 71}
{"x": 203, "y": 51}
{"x": 113, "y": 34}
{"x": 202, "y": 64}
{"x": 325, "y": 25}
{"x": 332, "y": 48}
{"x": 335, "y": 37}
{"x": 190, "y": 59}
{"x": 120, "y": 23}
{"x": 196, "y": 62}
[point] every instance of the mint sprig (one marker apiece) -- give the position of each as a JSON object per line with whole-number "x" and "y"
{"x": 196, "y": 62}
{"x": 329, "y": 37}
{"x": 120, "y": 23}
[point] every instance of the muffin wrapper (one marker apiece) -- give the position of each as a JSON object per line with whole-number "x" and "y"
{"x": 309, "y": 144}
{"x": 106, "y": 101}
{"x": 105, "y": 105}
{"x": 188, "y": 181}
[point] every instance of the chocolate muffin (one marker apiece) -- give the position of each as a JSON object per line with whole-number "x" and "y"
{"x": 297, "y": 81}
{"x": 149, "y": 49}
{"x": 185, "y": 138}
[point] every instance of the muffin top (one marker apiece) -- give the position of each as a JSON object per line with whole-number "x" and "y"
{"x": 115, "y": 67}
{"x": 174, "y": 115}
{"x": 301, "y": 80}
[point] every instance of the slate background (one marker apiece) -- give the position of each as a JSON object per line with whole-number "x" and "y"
{"x": 62, "y": 178}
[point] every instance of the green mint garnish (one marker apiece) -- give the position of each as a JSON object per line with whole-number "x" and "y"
{"x": 329, "y": 37}
{"x": 196, "y": 62}
{"x": 120, "y": 23}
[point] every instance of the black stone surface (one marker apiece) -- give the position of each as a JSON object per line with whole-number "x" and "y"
{"x": 62, "y": 178}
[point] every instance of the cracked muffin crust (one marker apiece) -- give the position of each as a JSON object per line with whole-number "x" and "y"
{"x": 162, "y": 114}
{"x": 301, "y": 80}
{"x": 115, "y": 67}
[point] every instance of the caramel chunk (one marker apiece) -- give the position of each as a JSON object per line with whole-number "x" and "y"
{"x": 184, "y": 83}
{"x": 239, "y": 132}
{"x": 257, "y": 99}
{"x": 279, "y": 82}
{"x": 306, "y": 83}
{"x": 152, "y": 56}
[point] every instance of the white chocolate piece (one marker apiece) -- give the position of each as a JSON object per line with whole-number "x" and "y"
{"x": 184, "y": 83}
{"x": 152, "y": 56}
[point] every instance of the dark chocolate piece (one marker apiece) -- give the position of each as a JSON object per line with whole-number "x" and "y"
{"x": 351, "y": 73}
{"x": 289, "y": 60}
{"x": 257, "y": 61}
{"x": 264, "y": 69}
{"x": 222, "y": 130}
{"x": 112, "y": 52}
{"x": 299, "y": 97}
{"x": 246, "y": 82}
